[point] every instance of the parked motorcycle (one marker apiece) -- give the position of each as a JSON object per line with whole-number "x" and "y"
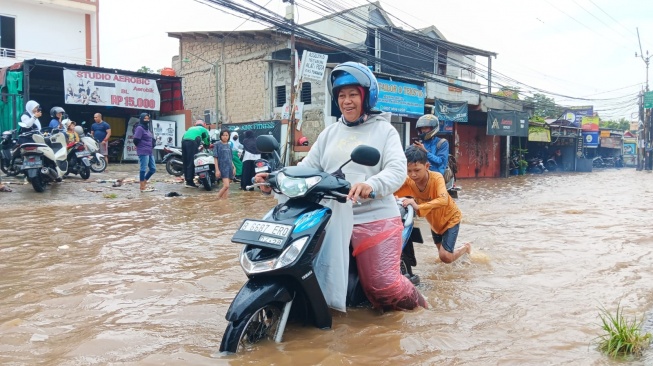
{"x": 10, "y": 160}
{"x": 205, "y": 168}
{"x": 97, "y": 160}
{"x": 45, "y": 159}
{"x": 598, "y": 162}
{"x": 535, "y": 165}
{"x": 79, "y": 160}
{"x": 173, "y": 160}
{"x": 279, "y": 252}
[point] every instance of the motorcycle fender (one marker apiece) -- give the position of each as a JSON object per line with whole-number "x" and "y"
{"x": 99, "y": 156}
{"x": 165, "y": 158}
{"x": 253, "y": 295}
{"x": 86, "y": 162}
{"x": 32, "y": 173}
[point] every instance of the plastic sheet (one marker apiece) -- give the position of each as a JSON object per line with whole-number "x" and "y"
{"x": 377, "y": 247}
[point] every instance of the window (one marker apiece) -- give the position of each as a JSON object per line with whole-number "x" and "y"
{"x": 281, "y": 95}
{"x": 305, "y": 97}
{"x": 7, "y": 37}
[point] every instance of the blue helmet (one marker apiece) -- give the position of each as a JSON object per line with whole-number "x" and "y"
{"x": 354, "y": 73}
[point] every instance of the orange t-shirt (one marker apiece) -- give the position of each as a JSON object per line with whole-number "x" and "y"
{"x": 434, "y": 203}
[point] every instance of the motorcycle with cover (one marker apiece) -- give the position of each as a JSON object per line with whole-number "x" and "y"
{"x": 44, "y": 160}
{"x": 280, "y": 250}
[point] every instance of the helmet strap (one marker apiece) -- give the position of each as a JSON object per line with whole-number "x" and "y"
{"x": 357, "y": 122}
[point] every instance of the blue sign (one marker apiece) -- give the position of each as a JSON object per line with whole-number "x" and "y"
{"x": 590, "y": 139}
{"x": 402, "y": 99}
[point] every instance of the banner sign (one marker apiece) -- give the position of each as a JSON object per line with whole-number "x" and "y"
{"x": 129, "y": 149}
{"x": 401, "y": 99}
{"x": 258, "y": 128}
{"x": 541, "y": 134}
{"x": 164, "y": 133}
{"x": 451, "y": 111}
{"x": 630, "y": 148}
{"x": 589, "y": 123}
{"x": 446, "y": 128}
{"x": 507, "y": 123}
{"x": 574, "y": 115}
{"x": 611, "y": 142}
{"x": 111, "y": 90}
{"x": 591, "y": 139}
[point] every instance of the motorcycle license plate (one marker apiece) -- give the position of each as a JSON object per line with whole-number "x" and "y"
{"x": 33, "y": 162}
{"x": 79, "y": 154}
{"x": 263, "y": 233}
{"x": 201, "y": 168}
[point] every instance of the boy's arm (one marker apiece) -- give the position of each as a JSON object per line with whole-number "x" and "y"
{"x": 438, "y": 190}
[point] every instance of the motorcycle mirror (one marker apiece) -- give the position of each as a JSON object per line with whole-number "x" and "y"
{"x": 365, "y": 155}
{"x": 266, "y": 143}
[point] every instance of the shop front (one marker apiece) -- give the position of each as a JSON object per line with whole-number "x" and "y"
{"x": 118, "y": 95}
{"x": 566, "y": 146}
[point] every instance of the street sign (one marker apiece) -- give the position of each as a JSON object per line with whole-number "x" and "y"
{"x": 313, "y": 65}
{"x": 648, "y": 99}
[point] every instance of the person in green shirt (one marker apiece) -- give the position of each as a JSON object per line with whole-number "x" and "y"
{"x": 190, "y": 142}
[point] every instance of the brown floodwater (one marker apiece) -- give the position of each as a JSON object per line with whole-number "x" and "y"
{"x": 147, "y": 281}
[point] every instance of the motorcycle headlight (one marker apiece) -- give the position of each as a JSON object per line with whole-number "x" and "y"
{"x": 296, "y": 187}
{"x": 287, "y": 257}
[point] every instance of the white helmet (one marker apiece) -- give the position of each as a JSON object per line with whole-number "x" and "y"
{"x": 65, "y": 123}
{"x": 79, "y": 130}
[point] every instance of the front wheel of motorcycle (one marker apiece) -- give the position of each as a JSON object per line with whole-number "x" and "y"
{"x": 85, "y": 173}
{"x": 39, "y": 184}
{"x": 243, "y": 334}
{"x": 174, "y": 167}
{"x": 98, "y": 165}
{"x": 10, "y": 170}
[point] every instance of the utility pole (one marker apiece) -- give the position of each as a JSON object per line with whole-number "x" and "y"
{"x": 646, "y": 153}
{"x": 290, "y": 140}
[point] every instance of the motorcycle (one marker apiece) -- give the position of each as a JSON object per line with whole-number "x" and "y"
{"x": 535, "y": 165}
{"x": 45, "y": 159}
{"x": 279, "y": 251}
{"x": 97, "y": 160}
{"x": 598, "y": 162}
{"x": 173, "y": 160}
{"x": 205, "y": 168}
{"x": 78, "y": 160}
{"x": 10, "y": 160}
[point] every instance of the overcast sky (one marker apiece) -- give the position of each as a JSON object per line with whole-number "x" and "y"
{"x": 563, "y": 48}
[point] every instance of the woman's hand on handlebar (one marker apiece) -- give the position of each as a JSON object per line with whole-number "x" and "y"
{"x": 262, "y": 178}
{"x": 360, "y": 190}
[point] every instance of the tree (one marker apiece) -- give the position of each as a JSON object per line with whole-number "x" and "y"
{"x": 620, "y": 125}
{"x": 544, "y": 106}
{"x": 508, "y": 92}
{"x": 145, "y": 69}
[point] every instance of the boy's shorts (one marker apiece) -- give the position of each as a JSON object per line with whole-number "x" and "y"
{"x": 448, "y": 238}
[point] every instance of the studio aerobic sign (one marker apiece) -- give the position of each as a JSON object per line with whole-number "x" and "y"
{"x": 507, "y": 123}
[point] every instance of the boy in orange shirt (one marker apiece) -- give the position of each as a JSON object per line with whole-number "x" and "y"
{"x": 431, "y": 200}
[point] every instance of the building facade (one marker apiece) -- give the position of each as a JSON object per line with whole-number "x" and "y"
{"x": 56, "y": 30}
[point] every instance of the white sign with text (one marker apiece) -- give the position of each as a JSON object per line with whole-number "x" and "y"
{"x": 313, "y": 65}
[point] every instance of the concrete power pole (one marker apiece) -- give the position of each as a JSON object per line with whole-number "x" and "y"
{"x": 646, "y": 115}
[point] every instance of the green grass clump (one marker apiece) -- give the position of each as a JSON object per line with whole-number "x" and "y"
{"x": 622, "y": 337}
{"x": 110, "y": 195}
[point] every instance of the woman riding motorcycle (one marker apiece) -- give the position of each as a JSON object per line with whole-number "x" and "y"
{"x": 373, "y": 225}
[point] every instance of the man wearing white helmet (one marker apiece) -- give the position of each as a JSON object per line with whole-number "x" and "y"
{"x": 436, "y": 148}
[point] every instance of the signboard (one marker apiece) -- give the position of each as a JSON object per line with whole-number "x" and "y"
{"x": 129, "y": 150}
{"x": 507, "y": 123}
{"x": 589, "y": 123}
{"x": 401, "y": 99}
{"x": 541, "y": 134}
{"x": 611, "y": 142}
{"x": 574, "y": 115}
{"x": 113, "y": 90}
{"x": 648, "y": 99}
{"x": 630, "y": 148}
{"x": 591, "y": 139}
{"x": 451, "y": 111}
{"x": 313, "y": 65}
{"x": 259, "y": 128}
{"x": 164, "y": 133}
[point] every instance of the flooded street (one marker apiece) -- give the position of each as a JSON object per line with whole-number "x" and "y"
{"x": 148, "y": 280}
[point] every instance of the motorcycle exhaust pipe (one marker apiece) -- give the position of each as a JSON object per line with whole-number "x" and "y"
{"x": 49, "y": 172}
